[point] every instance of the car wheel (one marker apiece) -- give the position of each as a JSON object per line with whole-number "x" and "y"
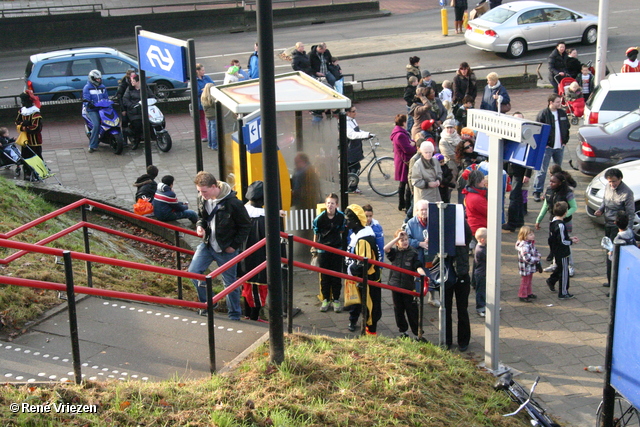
{"x": 517, "y": 48}
{"x": 590, "y": 35}
{"x": 636, "y": 221}
{"x": 63, "y": 97}
{"x": 162, "y": 89}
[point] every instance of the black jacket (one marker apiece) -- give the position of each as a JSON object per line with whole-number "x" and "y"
{"x": 557, "y": 62}
{"x": 301, "y": 62}
{"x": 232, "y": 222}
{"x": 409, "y": 94}
{"x": 546, "y": 116}
{"x": 407, "y": 259}
{"x": 146, "y": 186}
{"x": 131, "y": 100}
{"x": 316, "y": 62}
{"x": 574, "y": 67}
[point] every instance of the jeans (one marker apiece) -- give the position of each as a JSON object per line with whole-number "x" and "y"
{"x": 549, "y": 153}
{"x": 339, "y": 86}
{"x": 212, "y": 133}
{"x": 203, "y": 257}
{"x": 331, "y": 79}
{"x": 481, "y": 292}
{"x": 409, "y": 120}
{"x": 172, "y": 216}
{"x": 94, "y": 116}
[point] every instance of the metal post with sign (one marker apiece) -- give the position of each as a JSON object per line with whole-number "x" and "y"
{"x": 175, "y": 59}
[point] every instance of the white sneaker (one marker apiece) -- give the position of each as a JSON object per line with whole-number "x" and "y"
{"x": 433, "y": 301}
{"x": 550, "y": 269}
{"x": 572, "y": 271}
{"x": 325, "y": 306}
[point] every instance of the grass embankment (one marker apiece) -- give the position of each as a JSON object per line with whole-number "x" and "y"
{"x": 19, "y": 305}
{"x": 323, "y": 382}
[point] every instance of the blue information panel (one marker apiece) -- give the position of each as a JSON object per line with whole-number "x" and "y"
{"x": 252, "y": 135}
{"x": 162, "y": 55}
{"x": 520, "y": 154}
{"x": 625, "y": 367}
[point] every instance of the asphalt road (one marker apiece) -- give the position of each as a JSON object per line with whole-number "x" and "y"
{"x": 216, "y": 50}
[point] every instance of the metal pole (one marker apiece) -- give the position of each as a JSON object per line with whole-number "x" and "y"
{"x": 344, "y": 165}
{"x": 442, "y": 313}
{"x": 264, "y": 15}
{"x": 244, "y": 172}
{"x": 222, "y": 171}
{"x": 73, "y": 317}
{"x": 87, "y": 249}
{"x": 195, "y": 103}
{"x": 423, "y": 282}
{"x": 299, "y": 134}
{"x": 608, "y": 392}
{"x": 290, "y": 312}
{"x": 210, "y": 329}
{"x": 178, "y": 262}
{"x": 494, "y": 246}
{"x": 601, "y": 45}
{"x": 364, "y": 297}
{"x": 146, "y": 131}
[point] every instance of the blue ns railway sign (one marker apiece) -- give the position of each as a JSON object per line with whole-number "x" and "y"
{"x": 162, "y": 55}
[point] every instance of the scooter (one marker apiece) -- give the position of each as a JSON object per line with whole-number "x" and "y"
{"x": 110, "y": 132}
{"x": 157, "y": 126}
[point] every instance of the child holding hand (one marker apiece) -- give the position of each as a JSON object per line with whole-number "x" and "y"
{"x": 528, "y": 262}
{"x": 404, "y": 256}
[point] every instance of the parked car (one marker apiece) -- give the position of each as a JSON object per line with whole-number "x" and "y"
{"x": 63, "y": 71}
{"x": 595, "y": 192}
{"x": 516, "y": 27}
{"x": 604, "y": 145}
{"x": 614, "y": 96}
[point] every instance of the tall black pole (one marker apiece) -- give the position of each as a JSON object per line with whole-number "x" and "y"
{"x": 146, "y": 130}
{"x": 195, "y": 103}
{"x": 608, "y": 392}
{"x": 73, "y": 317}
{"x": 264, "y": 15}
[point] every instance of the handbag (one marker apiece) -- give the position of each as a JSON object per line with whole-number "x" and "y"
{"x": 351, "y": 293}
{"x": 22, "y": 138}
{"x": 143, "y": 207}
{"x": 505, "y": 108}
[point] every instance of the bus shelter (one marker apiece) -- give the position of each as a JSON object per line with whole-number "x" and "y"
{"x": 308, "y": 140}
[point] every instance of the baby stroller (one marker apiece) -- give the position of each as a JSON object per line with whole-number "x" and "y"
{"x": 10, "y": 156}
{"x": 574, "y": 106}
{"x": 39, "y": 170}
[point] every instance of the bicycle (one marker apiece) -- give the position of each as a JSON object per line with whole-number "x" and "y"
{"x": 519, "y": 395}
{"x": 381, "y": 172}
{"x": 624, "y": 413}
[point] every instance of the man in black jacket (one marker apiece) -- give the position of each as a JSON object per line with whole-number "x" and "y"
{"x": 555, "y": 116}
{"x": 301, "y": 60}
{"x": 320, "y": 59}
{"x": 224, "y": 224}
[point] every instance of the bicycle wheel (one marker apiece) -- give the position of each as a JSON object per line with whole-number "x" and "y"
{"x": 381, "y": 177}
{"x": 624, "y": 414}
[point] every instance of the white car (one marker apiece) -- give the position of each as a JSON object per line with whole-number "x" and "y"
{"x": 595, "y": 192}
{"x": 513, "y": 28}
{"x": 614, "y": 97}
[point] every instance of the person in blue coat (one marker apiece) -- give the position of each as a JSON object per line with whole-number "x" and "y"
{"x": 202, "y": 79}
{"x": 166, "y": 206}
{"x": 93, "y": 92}
{"x": 492, "y": 93}
{"x": 254, "y": 71}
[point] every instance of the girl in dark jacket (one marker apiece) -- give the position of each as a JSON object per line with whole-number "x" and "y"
{"x": 464, "y": 83}
{"x": 557, "y": 65}
{"x": 404, "y": 256}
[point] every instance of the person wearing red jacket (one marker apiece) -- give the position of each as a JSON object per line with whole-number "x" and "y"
{"x": 476, "y": 200}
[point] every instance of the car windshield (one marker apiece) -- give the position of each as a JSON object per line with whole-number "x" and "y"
{"x": 498, "y": 15}
{"x": 621, "y": 122}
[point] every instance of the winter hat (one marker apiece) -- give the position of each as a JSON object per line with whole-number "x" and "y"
{"x": 450, "y": 123}
{"x": 425, "y": 73}
{"x": 467, "y": 133}
{"x": 631, "y": 50}
{"x": 233, "y": 70}
{"x": 357, "y": 209}
{"x": 439, "y": 157}
{"x": 255, "y": 191}
{"x": 426, "y": 125}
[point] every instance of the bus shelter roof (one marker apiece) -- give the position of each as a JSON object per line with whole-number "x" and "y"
{"x": 295, "y": 91}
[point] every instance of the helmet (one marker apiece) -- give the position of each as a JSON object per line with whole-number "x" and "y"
{"x": 94, "y": 75}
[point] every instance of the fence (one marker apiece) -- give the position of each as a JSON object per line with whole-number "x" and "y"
{"x": 70, "y": 289}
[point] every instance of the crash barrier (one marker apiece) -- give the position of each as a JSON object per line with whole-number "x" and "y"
{"x": 70, "y": 289}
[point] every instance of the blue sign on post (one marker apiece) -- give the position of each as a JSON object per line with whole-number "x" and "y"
{"x": 252, "y": 135}
{"x": 162, "y": 55}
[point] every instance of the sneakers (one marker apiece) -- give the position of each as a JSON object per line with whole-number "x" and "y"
{"x": 482, "y": 314}
{"x": 536, "y": 197}
{"x": 91, "y": 150}
{"x": 352, "y": 326}
{"x": 356, "y": 191}
{"x": 325, "y": 306}
{"x": 337, "y": 307}
{"x": 551, "y": 268}
{"x": 527, "y": 299}
{"x": 463, "y": 348}
{"x": 572, "y": 271}
{"x": 566, "y": 296}
{"x": 403, "y": 335}
{"x": 552, "y": 286}
{"x": 432, "y": 301}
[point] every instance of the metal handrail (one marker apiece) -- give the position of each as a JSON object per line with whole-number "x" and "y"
{"x": 526, "y": 65}
{"x": 50, "y": 10}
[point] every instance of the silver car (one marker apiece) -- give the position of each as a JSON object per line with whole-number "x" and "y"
{"x": 516, "y": 27}
{"x": 595, "y": 192}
